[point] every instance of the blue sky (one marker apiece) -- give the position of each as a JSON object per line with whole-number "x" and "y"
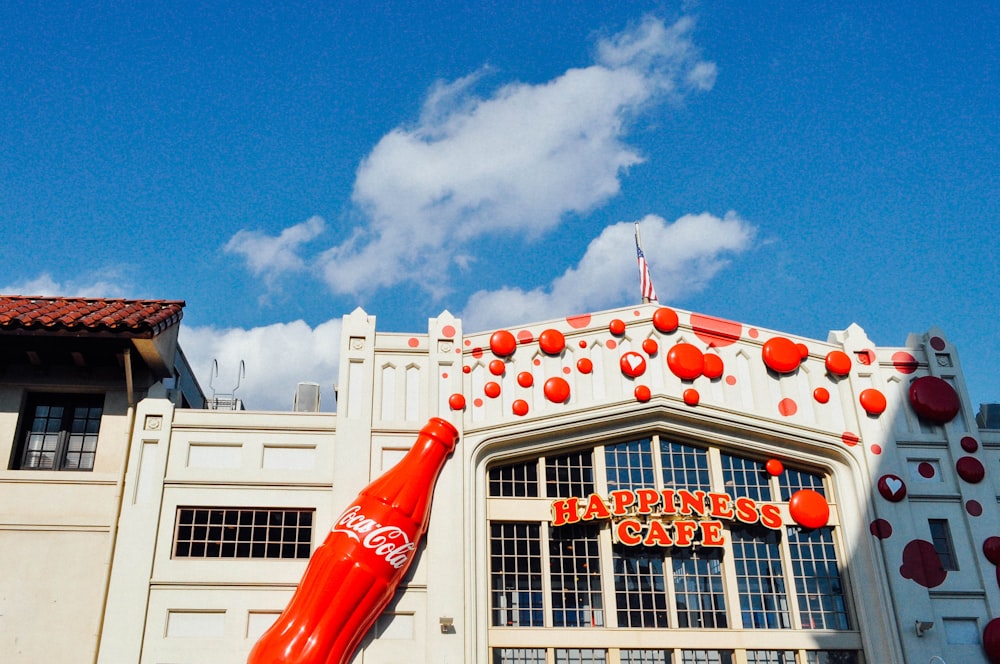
{"x": 794, "y": 167}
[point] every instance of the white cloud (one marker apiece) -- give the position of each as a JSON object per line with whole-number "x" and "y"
{"x": 268, "y": 256}
{"x": 682, "y": 256}
{"x": 277, "y": 357}
{"x": 107, "y": 283}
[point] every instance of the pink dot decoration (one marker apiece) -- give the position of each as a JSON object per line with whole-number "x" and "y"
{"x": 612, "y": 344}
{"x": 525, "y": 337}
{"x": 809, "y": 508}
{"x": 969, "y": 444}
{"x": 567, "y": 370}
{"x": 477, "y": 402}
{"x": 850, "y": 439}
{"x": 774, "y": 467}
{"x": 497, "y": 367}
{"x": 904, "y": 362}
{"x": 519, "y": 407}
{"x": 716, "y": 332}
{"x": 413, "y": 342}
{"x": 991, "y": 549}
{"x": 552, "y": 342}
{"x": 838, "y": 363}
{"x": 892, "y": 488}
{"x": 872, "y": 401}
{"x": 502, "y": 343}
{"x": 926, "y": 470}
{"x": 642, "y": 393}
{"x": 730, "y": 380}
{"x": 753, "y": 333}
{"x": 876, "y": 449}
{"x": 477, "y": 352}
{"x": 665, "y": 320}
{"x": 781, "y": 355}
{"x": 617, "y": 327}
{"x": 556, "y": 390}
{"x": 691, "y": 397}
{"x": 525, "y": 379}
{"x": 974, "y": 508}
{"x": 632, "y": 364}
{"x": 787, "y": 407}
{"x": 492, "y": 389}
{"x": 649, "y": 346}
{"x": 537, "y": 362}
{"x": 937, "y": 343}
{"x": 712, "y": 366}
{"x": 685, "y": 361}
{"x": 448, "y": 331}
{"x": 821, "y": 395}
{"x": 934, "y": 400}
{"x": 970, "y": 469}
{"x": 578, "y": 322}
{"x": 584, "y": 365}
{"x": 456, "y": 401}
{"x": 866, "y": 357}
{"x": 881, "y": 529}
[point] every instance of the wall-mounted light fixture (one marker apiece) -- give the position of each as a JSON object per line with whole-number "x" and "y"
{"x": 447, "y": 625}
{"x": 923, "y": 625}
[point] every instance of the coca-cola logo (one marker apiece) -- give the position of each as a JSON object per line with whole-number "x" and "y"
{"x": 388, "y": 542}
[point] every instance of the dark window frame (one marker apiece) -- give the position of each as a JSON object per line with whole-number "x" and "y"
{"x": 212, "y": 532}
{"x": 61, "y": 445}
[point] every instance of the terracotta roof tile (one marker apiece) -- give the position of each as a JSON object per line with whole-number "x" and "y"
{"x": 130, "y": 318}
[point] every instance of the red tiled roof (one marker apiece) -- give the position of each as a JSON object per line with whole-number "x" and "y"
{"x": 129, "y": 318}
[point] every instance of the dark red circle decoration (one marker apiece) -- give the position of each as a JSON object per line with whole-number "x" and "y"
{"x": 502, "y": 343}
{"x": 838, "y": 363}
{"x": 881, "y": 528}
{"x": 991, "y": 640}
{"x": 525, "y": 379}
{"x": 969, "y": 444}
{"x": 649, "y": 346}
{"x": 685, "y": 361}
{"x": 781, "y": 355}
{"x": 974, "y": 507}
{"x": 497, "y": 367}
{"x": 456, "y": 402}
{"x": 665, "y": 320}
{"x": 519, "y": 407}
{"x": 552, "y": 342}
{"x": 632, "y": 364}
{"x": 691, "y": 397}
{"x": 872, "y": 401}
{"x": 821, "y": 395}
{"x": 809, "y": 508}
{"x": 926, "y": 470}
{"x": 991, "y": 549}
{"x": 892, "y": 488}
{"x": 934, "y": 399}
{"x": 937, "y": 343}
{"x": 904, "y": 362}
{"x": 774, "y": 467}
{"x": 617, "y": 327}
{"x": 642, "y": 393}
{"x": 970, "y": 469}
{"x": 492, "y": 389}
{"x": 584, "y": 365}
{"x": 712, "y": 366}
{"x": 556, "y": 390}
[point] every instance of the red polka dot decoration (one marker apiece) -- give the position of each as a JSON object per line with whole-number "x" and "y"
{"x": 926, "y": 470}
{"x": 617, "y": 327}
{"x": 413, "y": 342}
{"x": 492, "y": 389}
{"x": 584, "y": 365}
{"x": 712, "y": 366}
{"x": 922, "y": 565}
{"x": 787, "y": 407}
{"x": 642, "y": 393}
{"x": 866, "y": 357}
{"x": 650, "y": 347}
{"x": 821, "y": 395}
{"x": 974, "y": 508}
{"x": 466, "y": 369}
{"x": 519, "y": 407}
{"x": 716, "y": 332}
{"x": 969, "y": 444}
{"x": 632, "y": 364}
{"x": 934, "y": 400}
{"x": 991, "y": 640}
{"x": 850, "y": 439}
{"x": 691, "y": 397}
{"x": 970, "y": 469}
{"x": 838, "y": 363}
{"x": 502, "y": 343}
{"x": 781, "y": 355}
{"x": 937, "y": 343}
{"x": 872, "y": 401}
{"x": 448, "y": 331}
{"x": 892, "y": 488}
{"x": 525, "y": 379}
{"x": 685, "y": 361}
{"x": 774, "y": 467}
{"x": 525, "y": 337}
{"x": 556, "y": 390}
{"x": 881, "y": 529}
{"x": 904, "y": 362}
{"x": 552, "y": 342}
{"x": 578, "y": 322}
{"x": 456, "y": 402}
{"x": 991, "y": 549}
{"x": 497, "y": 367}
{"x": 665, "y": 320}
{"x": 809, "y": 508}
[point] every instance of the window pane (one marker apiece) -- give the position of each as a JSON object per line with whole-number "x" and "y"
{"x": 706, "y": 657}
{"x": 759, "y": 578}
{"x": 516, "y": 578}
{"x": 646, "y": 657}
{"x": 569, "y": 475}
{"x": 770, "y": 657}
{"x": 684, "y": 467}
{"x": 575, "y": 566}
{"x": 817, "y": 579}
{"x": 518, "y": 656}
{"x": 791, "y": 481}
{"x": 213, "y": 532}
{"x": 630, "y": 465}
{"x": 941, "y": 539}
{"x": 744, "y": 477}
{"x": 581, "y": 656}
{"x": 698, "y": 588}
{"x": 639, "y": 587}
{"x": 518, "y": 480}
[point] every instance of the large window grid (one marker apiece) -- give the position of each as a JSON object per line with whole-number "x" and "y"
{"x": 516, "y": 574}
{"x": 575, "y": 575}
{"x": 219, "y": 532}
{"x": 670, "y": 656}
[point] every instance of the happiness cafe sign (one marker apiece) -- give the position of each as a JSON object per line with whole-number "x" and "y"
{"x": 670, "y": 517}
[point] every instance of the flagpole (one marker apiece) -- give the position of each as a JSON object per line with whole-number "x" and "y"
{"x": 645, "y": 282}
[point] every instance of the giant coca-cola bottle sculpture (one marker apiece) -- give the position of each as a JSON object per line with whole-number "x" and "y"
{"x": 353, "y": 575}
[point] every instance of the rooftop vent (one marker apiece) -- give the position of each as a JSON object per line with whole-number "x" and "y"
{"x": 306, "y": 398}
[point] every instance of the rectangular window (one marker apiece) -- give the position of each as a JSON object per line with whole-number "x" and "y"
{"x": 575, "y": 564}
{"x": 832, "y": 657}
{"x": 639, "y": 587}
{"x": 646, "y": 657}
{"x": 706, "y": 657}
{"x": 221, "y": 532}
{"x": 941, "y": 539}
{"x": 630, "y": 465}
{"x": 745, "y": 478}
{"x": 518, "y": 656}
{"x": 516, "y": 565}
{"x": 759, "y": 578}
{"x": 519, "y": 480}
{"x": 59, "y": 432}
{"x": 569, "y": 475}
{"x": 770, "y": 657}
{"x": 581, "y": 656}
{"x": 817, "y": 579}
{"x": 791, "y": 481}
{"x": 684, "y": 467}
{"x": 698, "y": 589}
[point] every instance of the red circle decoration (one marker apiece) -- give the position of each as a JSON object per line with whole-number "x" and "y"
{"x": 617, "y": 327}
{"x": 525, "y": 379}
{"x": 556, "y": 390}
{"x": 716, "y": 332}
{"x": 937, "y": 343}
{"x": 730, "y": 380}
{"x": 991, "y": 549}
{"x": 492, "y": 389}
{"x": 781, "y": 355}
{"x": 650, "y": 346}
{"x": 876, "y": 449}
{"x": 456, "y": 401}
{"x": 448, "y": 331}
{"x": 519, "y": 407}
{"x": 466, "y": 369}
{"x": 642, "y": 393}
{"x": 774, "y": 467}
{"x": 892, "y": 488}
{"x": 974, "y": 508}
{"x": 685, "y": 361}
{"x": 502, "y": 343}
{"x": 969, "y": 444}
{"x": 866, "y": 356}
{"x": 551, "y": 341}
{"x": 925, "y": 470}
{"x": 584, "y": 365}
{"x": 525, "y": 337}
{"x": 665, "y": 320}
{"x": 477, "y": 352}
{"x": 872, "y": 401}
{"x": 821, "y": 395}
{"x": 838, "y": 363}
{"x": 579, "y": 321}
{"x": 991, "y": 639}
{"x": 803, "y": 351}
{"x": 691, "y": 397}
{"x": 477, "y": 402}
{"x": 970, "y": 469}
{"x": 632, "y": 364}
{"x": 612, "y": 344}
{"x": 809, "y": 508}
{"x": 788, "y": 407}
{"x": 413, "y": 342}
{"x": 881, "y": 528}
{"x": 712, "y": 366}
{"x": 497, "y": 367}
{"x": 850, "y": 439}
{"x": 934, "y": 399}
{"x": 904, "y": 362}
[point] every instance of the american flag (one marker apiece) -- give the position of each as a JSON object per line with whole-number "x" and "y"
{"x": 645, "y": 282}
